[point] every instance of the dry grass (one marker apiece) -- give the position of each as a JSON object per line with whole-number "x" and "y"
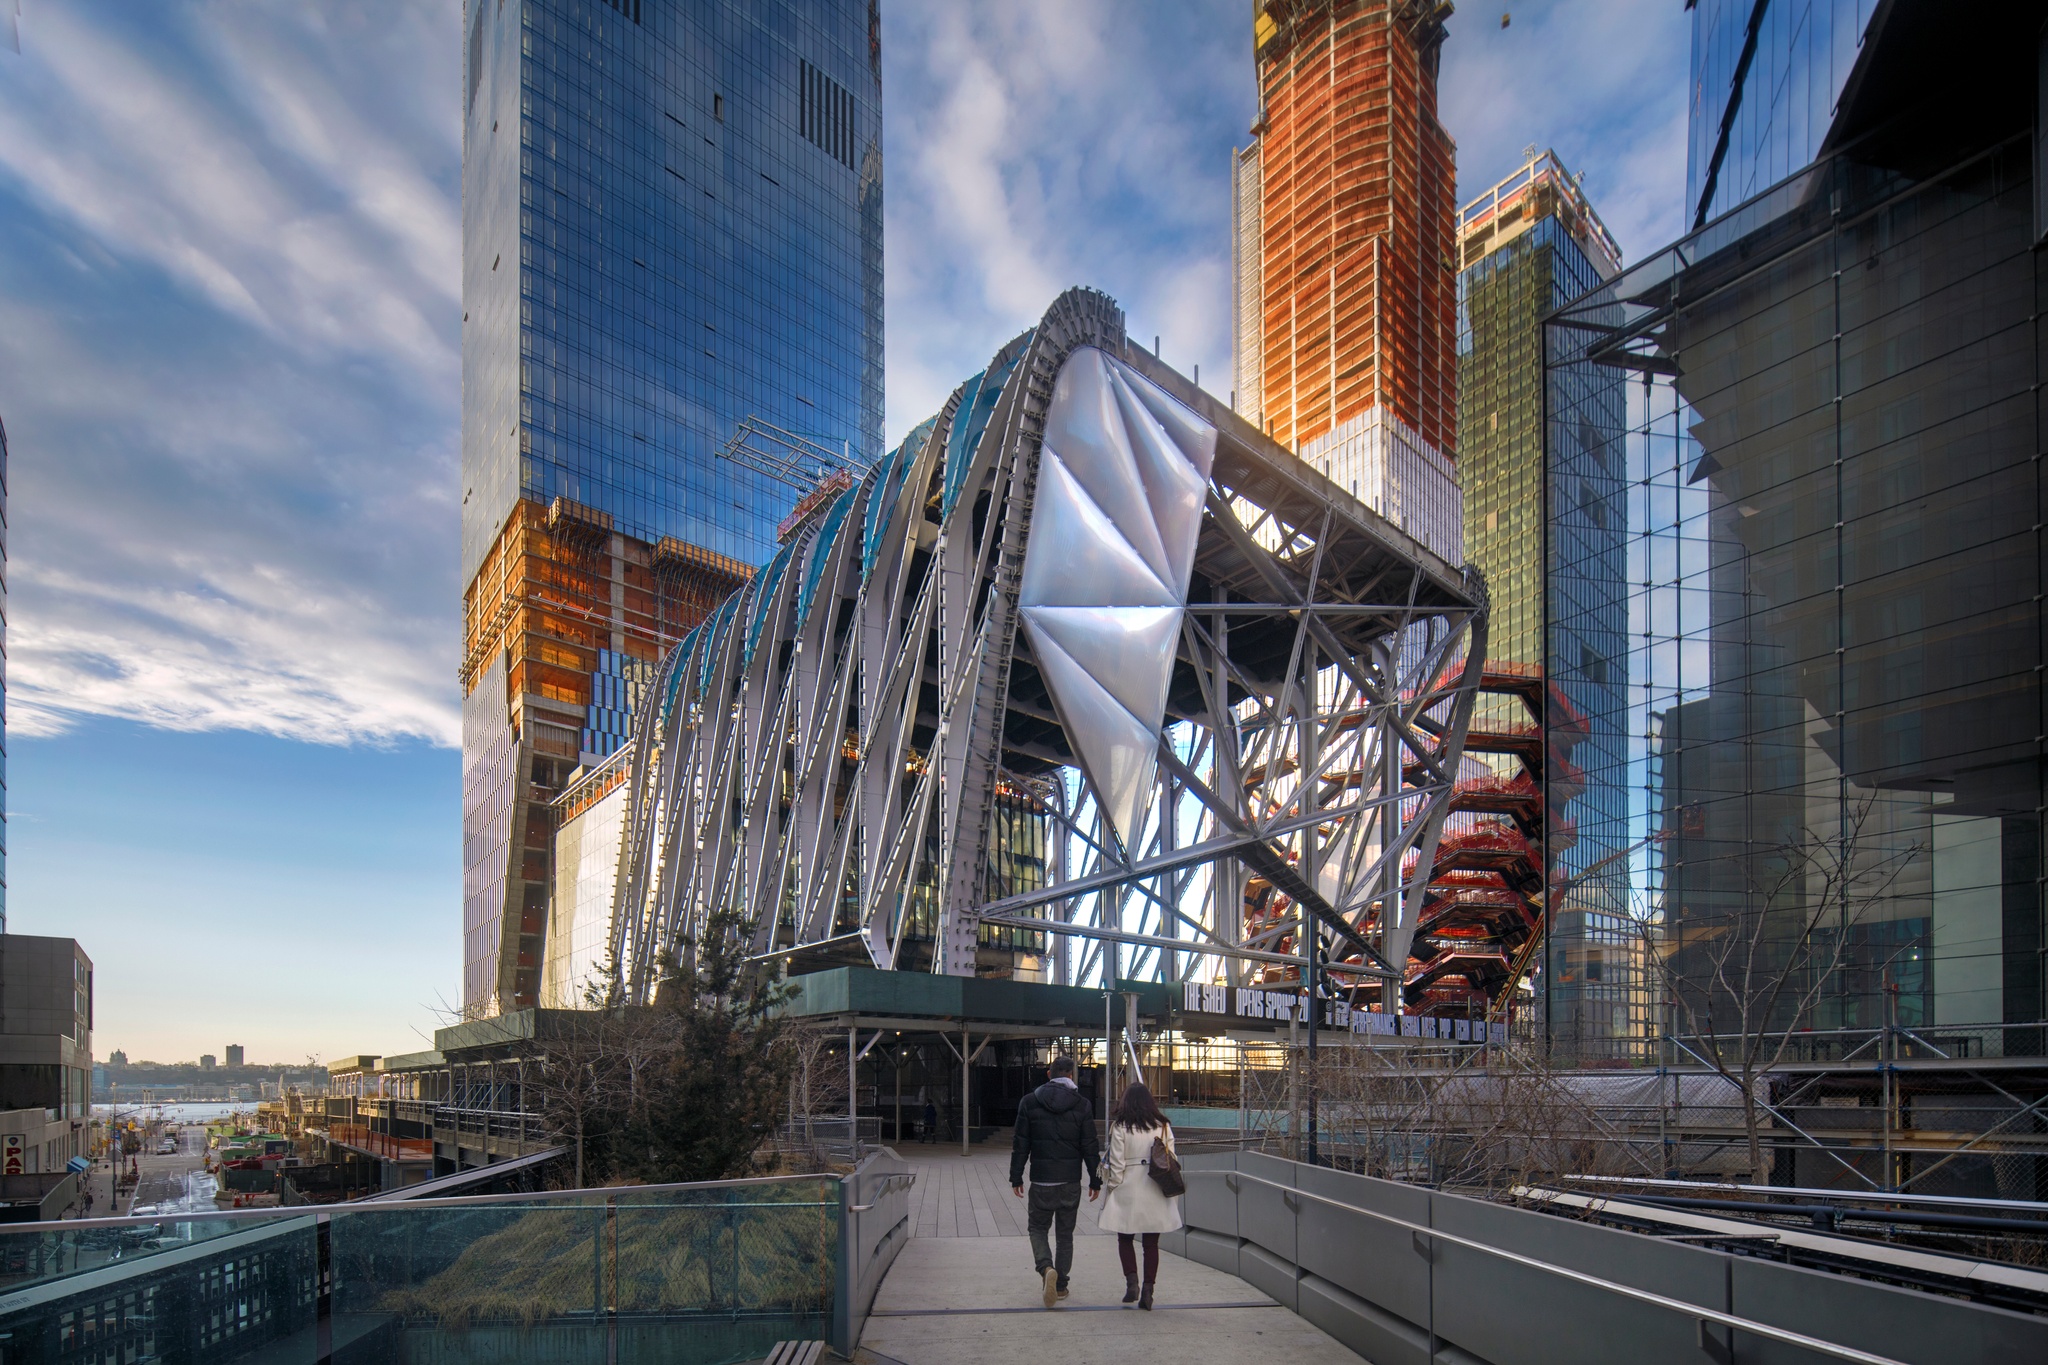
{"x": 646, "y": 1258}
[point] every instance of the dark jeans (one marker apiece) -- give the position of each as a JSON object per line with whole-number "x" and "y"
{"x": 1054, "y": 1207}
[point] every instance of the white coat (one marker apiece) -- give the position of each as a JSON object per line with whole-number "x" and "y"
{"x": 1135, "y": 1202}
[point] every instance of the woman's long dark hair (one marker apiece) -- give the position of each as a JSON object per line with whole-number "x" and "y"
{"x": 1138, "y": 1110}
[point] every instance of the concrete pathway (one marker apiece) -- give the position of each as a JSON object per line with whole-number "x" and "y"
{"x": 953, "y": 1300}
{"x": 962, "y": 1290}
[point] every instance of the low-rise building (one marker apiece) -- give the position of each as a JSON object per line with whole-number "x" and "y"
{"x": 45, "y": 1071}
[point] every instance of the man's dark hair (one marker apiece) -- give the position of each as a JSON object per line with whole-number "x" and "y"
{"x": 1062, "y": 1066}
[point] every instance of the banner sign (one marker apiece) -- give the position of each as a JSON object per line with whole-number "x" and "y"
{"x": 1253, "y": 1002}
{"x": 11, "y": 1155}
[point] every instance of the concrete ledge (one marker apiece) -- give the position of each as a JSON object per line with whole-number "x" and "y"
{"x": 1374, "y": 1333}
{"x": 1211, "y": 1249}
{"x": 1267, "y": 1273}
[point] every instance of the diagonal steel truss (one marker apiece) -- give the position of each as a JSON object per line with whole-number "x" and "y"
{"x": 858, "y": 755}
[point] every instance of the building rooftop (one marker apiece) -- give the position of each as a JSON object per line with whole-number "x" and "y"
{"x": 1541, "y": 188}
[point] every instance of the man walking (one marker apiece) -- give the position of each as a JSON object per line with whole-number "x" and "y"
{"x": 1056, "y": 1133}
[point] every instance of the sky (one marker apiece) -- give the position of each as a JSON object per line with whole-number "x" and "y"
{"x": 230, "y": 237}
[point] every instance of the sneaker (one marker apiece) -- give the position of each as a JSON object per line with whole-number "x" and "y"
{"x": 1052, "y": 1286}
{"x": 1063, "y": 1293}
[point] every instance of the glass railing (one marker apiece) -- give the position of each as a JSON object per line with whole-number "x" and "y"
{"x": 695, "y": 1274}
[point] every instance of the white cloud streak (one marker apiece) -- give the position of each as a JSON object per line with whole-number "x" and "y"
{"x": 229, "y": 336}
{"x": 230, "y": 368}
{"x": 1035, "y": 147}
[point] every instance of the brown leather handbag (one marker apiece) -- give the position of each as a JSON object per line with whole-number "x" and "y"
{"x": 1164, "y": 1168}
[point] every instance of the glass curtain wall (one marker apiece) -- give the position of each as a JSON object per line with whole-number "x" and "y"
{"x": 1830, "y": 497}
{"x": 675, "y": 225}
{"x": 1766, "y": 78}
{"x": 1503, "y": 298}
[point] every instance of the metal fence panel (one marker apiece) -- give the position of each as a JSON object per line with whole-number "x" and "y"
{"x": 1926, "y": 1329}
{"x": 1265, "y": 1215}
{"x": 1271, "y": 1275}
{"x": 1360, "y": 1254}
{"x": 1209, "y": 1203}
{"x": 1558, "y": 1319}
{"x": 874, "y": 1224}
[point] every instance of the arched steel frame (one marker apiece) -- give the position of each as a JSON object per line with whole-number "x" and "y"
{"x": 835, "y": 746}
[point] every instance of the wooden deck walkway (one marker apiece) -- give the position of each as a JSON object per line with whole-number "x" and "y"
{"x": 969, "y": 1196}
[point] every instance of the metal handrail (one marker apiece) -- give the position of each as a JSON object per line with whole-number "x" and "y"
{"x": 1813, "y": 1192}
{"x": 1701, "y": 1315}
{"x": 889, "y": 1186}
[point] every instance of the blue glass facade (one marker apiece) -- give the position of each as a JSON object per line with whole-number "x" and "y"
{"x": 672, "y": 223}
{"x": 615, "y": 688}
{"x": 1833, "y": 510}
{"x": 1765, "y": 78}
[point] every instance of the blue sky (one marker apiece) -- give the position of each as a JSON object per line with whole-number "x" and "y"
{"x": 230, "y": 366}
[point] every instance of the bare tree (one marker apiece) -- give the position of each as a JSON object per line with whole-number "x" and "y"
{"x": 1496, "y": 1120}
{"x": 817, "y": 1086}
{"x": 1745, "y": 983}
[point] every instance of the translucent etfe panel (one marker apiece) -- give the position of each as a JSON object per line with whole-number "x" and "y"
{"x": 1174, "y": 450}
{"x": 888, "y": 486}
{"x": 1119, "y": 752}
{"x": 579, "y": 925}
{"x": 1077, "y": 558}
{"x": 821, "y": 550}
{"x": 1128, "y": 650}
{"x": 764, "y": 599}
{"x": 678, "y": 666}
{"x": 1121, "y": 482}
{"x": 714, "y": 632}
{"x": 1085, "y": 425}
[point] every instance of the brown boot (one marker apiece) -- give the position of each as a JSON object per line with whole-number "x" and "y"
{"x": 1145, "y": 1297}
{"x": 1130, "y": 1289}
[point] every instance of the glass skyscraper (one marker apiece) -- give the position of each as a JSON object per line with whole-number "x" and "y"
{"x": 1832, "y": 504}
{"x": 1766, "y": 75}
{"x": 1344, "y": 317}
{"x": 1527, "y": 246}
{"x": 672, "y": 224}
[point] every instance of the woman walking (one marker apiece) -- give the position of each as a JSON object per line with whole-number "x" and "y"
{"x": 1136, "y": 1207}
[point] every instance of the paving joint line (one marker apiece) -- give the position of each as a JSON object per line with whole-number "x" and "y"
{"x": 1065, "y": 1308}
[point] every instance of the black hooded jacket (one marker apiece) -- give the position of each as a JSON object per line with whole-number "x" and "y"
{"x": 1056, "y": 1131}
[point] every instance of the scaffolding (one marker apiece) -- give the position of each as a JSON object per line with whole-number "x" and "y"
{"x": 1356, "y": 183}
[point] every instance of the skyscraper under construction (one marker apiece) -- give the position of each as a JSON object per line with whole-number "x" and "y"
{"x": 672, "y": 232}
{"x": 1346, "y": 282}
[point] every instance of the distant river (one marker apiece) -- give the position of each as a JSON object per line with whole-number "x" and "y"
{"x": 177, "y": 1113}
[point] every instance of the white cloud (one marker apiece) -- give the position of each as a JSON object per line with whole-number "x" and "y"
{"x": 230, "y": 368}
{"x": 1036, "y": 147}
{"x": 1601, "y": 81}
{"x": 229, "y": 336}
{"x": 1039, "y": 146}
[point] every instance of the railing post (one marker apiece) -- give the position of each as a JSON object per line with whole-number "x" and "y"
{"x": 611, "y": 1317}
{"x": 323, "y": 1289}
{"x": 846, "y": 1277}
